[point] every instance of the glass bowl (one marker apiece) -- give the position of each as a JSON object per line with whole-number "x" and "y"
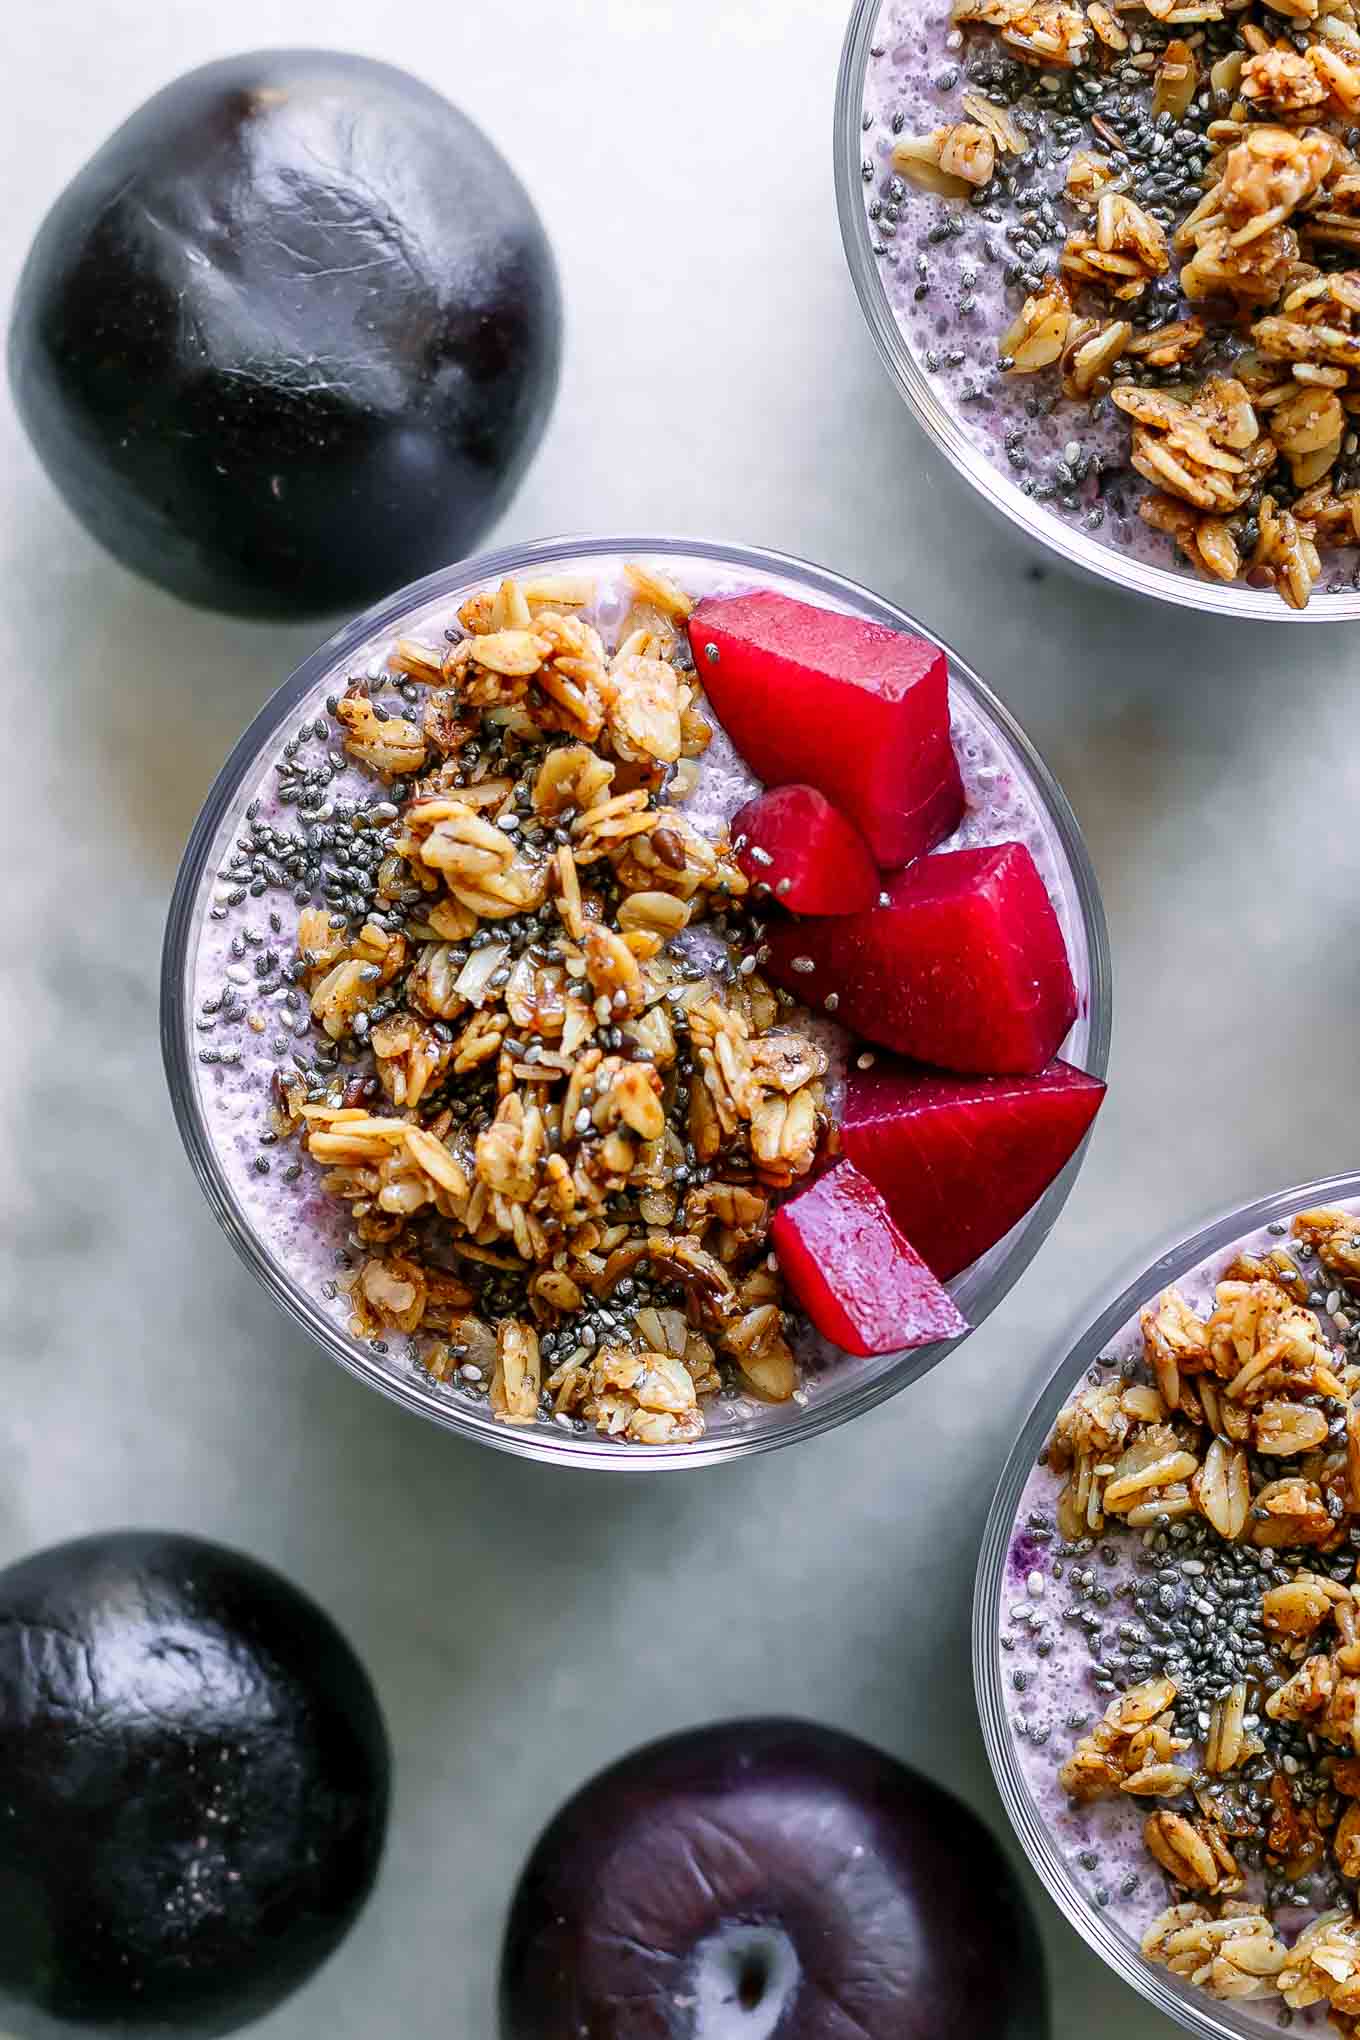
{"x": 1003, "y": 497}
{"x": 1192, "y": 2008}
{"x": 829, "y": 1397}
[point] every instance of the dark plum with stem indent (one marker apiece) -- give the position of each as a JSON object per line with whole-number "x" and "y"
{"x": 768, "y": 1880}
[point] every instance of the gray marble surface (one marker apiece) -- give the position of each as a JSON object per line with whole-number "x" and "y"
{"x": 525, "y": 1626}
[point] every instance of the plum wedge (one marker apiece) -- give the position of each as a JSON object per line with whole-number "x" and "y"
{"x": 793, "y": 841}
{"x": 863, "y": 1285}
{"x": 964, "y": 966}
{"x": 861, "y": 712}
{"x": 959, "y": 1160}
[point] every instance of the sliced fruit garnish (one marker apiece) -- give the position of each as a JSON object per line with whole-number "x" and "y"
{"x": 860, "y": 1281}
{"x": 963, "y": 967}
{"x": 959, "y": 1160}
{"x": 794, "y": 842}
{"x": 861, "y": 712}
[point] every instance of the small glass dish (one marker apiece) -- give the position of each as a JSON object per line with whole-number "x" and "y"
{"x": 239, "y": 1198}
{"x": 1000, "y": 1583}
{"x": 999, "y": 492}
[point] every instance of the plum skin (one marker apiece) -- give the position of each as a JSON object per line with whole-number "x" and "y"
{"x": 289, "y": 338}
{"x": 859, "y": 1279}
{"x": 904, "y": 1918}
{"x": 194, "y": 1780}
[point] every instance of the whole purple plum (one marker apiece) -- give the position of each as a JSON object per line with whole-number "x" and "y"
{"x": 290, "y": 337}
{"x": 193, "y": 1789}
{"x": 768, "y": 1880}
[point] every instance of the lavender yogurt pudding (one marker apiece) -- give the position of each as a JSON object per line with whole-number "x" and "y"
{"x": 1179, "y": 1629}
{"x": 1116, "y": 238}
{"x": 446, "y": 976}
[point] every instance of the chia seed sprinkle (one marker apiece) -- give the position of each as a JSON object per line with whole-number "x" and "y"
{"x": 1186, "y": 1601}
{"x": 1112, "y": 110}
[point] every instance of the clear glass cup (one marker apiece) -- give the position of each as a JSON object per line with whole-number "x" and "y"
{"x": 1192, "y": 2008}
{"x": 830, "y": 1398}
{"x": 1075, "y": 548}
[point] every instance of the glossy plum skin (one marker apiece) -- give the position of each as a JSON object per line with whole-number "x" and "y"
{"x": 959, "y": 1160}
{"x": 792, "y": 841}
{"x": 193, "y": 1789}
{"x": 861, "y": 1282}
{"x": 898, "y": 1914}
{"x": 859, "y": 711}
{"x": 289, "y": 338}
{"x": 964, "y": 966}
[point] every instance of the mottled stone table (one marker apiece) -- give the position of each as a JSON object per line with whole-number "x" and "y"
{"x": 525, "y": 1626}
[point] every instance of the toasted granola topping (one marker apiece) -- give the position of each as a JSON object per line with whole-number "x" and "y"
{"x": 1092, "y": 348}
{"x": 1324, "y": 1968}
{"x": 1037, "y": 31}
{"x": 1269, "y": 174}
{"x": 1334, "y": 1237}
{"x": 1234, "y": 1955}
{"x": 1269, "y": 92}
{"x": 649, "y": 1397}
{"x": 1177, "y": 78}
{"x": 1193, "y": 1853}
{"x": 563, "y": 1129}
{"x": 1125, "y": 253}
{"x": 1283, "y": 81}
{"x": 1131, "y": 1750}
{"x": 1236, "y": 1430}
{"x": 1088, "y": 175}
{"x": 1210, "y": 452}
{"x": 950, "y": 161}
{"x": 1285, "y": 554}
{"x": 1038, "y": 335}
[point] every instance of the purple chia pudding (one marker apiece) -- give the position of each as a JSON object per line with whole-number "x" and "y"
{"x": 944, "y": 268}
{"x": 955, "y": 271}
{"x": 1071, "y": 1625}
{"x": 247, "y": 1019}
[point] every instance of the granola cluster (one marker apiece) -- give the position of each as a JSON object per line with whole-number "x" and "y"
{"x": 1245, "y": 1422}
{"x": 571, "y": 1096}
{"x": 1243, "y": 404}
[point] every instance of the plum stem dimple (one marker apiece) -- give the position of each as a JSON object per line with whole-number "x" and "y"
{"x": 755, "y": 1975}
{"x": 744, "y": 1979}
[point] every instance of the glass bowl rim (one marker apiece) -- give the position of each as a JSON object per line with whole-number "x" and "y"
{"x": 536, "y": 1441}
{"x": 1208, "y": 2017}
{"x": 1075, "y": 549}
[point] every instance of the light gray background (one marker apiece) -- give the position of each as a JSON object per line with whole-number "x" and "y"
{"x": 523, "y": 1625}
